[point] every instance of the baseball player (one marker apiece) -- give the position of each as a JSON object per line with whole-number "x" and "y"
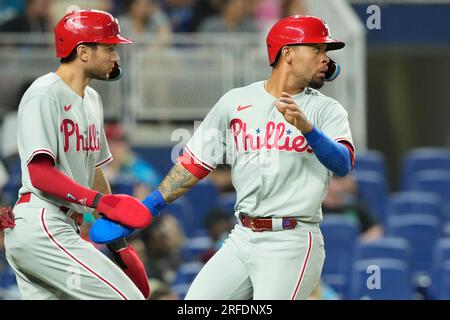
{"x": 62, "y": 147}
{"x": 287, "y": 141}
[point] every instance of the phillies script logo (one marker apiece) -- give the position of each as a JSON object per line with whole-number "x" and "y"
{"x": 274, "y": 138}
{"x": 87, "y": 142}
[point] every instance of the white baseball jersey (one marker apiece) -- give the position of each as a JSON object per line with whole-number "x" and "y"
{"x": 274, "y": 171}
{"x": 54, "y": 120}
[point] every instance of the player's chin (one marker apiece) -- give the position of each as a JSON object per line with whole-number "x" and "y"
{"x": 317, "y": 82}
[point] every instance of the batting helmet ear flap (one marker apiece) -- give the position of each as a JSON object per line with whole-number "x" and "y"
{"x": 116, "y": 73}
{"x": 333, "y": 71}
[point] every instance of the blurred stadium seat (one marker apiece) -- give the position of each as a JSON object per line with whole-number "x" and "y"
{"x": 437, "y": 181}
{"x": 384, "y": 248}
{"x": 373, "y": 191}
{"x": 423, "y": 159}
{"x": 371, "y": 160}
{"x": 203, "y": 196}
{"x": 393, "y": 282}
{"x": 193, "y": 247}
{"x": 340, "y": 237}
{"x": 444, "y": 287}
{"x": 422, "y": 232}
{"x": 410, "y": 202}
{"x": 441, "y": 256}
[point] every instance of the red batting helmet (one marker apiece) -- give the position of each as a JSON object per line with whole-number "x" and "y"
{"x": 299, "y": 30}
{"x": 86, "y": 26}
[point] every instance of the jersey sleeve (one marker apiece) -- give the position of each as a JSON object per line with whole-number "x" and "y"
{"x": 38, "y": 127}
{"x": 206, "y": 149}
{"x": 334, "y": 124}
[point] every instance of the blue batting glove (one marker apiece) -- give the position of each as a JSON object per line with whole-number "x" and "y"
{"x": 105, "y": 231}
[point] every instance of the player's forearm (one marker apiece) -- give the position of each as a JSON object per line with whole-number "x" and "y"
{"x": 333, "y": 155}
{"x": 177, "y": 182}
{"x": 46, "y": 178}
{"x": 101, "y": 185}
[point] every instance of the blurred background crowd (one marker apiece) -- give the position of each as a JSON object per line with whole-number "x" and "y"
{"x": 390, "y": 218}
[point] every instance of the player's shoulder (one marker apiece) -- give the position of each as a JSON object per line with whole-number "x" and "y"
{"x": 42, "y": 87}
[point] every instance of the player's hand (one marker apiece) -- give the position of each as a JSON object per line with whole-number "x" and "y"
{"x": 124, "y": 209}
{"x": 292, "y": 113}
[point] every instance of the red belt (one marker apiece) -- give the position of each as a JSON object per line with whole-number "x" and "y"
{"x": 77, "y": 217}
{"x": 265, "y": 224}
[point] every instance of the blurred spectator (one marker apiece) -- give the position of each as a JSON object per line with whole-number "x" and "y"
{"x": 234, "y": 17}
{"x": 60, "y": 7}
{"x": 341, "y": 200}
{"x": 292, "y": 7}
{"x": 218, "y": 224}
{"x": 10, "y": 9}
{"x": 128, "y": 173}
{"x": 145, "y": 18}
{"x": 161, "y": 291}
{"x": 35, "y": 18}
{"x": 203, "y": 9}
{"x": 180, "y": 14}
{"x": 163, "y": 240}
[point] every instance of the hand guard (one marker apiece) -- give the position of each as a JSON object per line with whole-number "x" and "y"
{"x": 128, "y": 260}
{"x": 123, "y": 209}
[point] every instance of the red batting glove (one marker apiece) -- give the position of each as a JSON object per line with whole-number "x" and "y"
{"x": 123, "y": 209}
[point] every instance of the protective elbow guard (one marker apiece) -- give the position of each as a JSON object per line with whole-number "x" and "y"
{"x": 128, "y": 260}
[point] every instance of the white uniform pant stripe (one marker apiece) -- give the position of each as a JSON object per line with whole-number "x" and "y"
{"x": 76, "y": 260}
{"x": 305, "y": 264}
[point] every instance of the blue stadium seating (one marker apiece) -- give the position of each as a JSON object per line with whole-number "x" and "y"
{"x": 371, "y": 160}
{"x": 410, "y": 202}
{"x": 384, "y": 248}
{"x": 373, "y": 190}
{"x": 423, "y": 159}
{"x": 381, "y": 279}
{"x": 203, "y": 196}
{"x": 437, "y": 181}
{"x": 444, "y": 288}
{"x": 441, "y": 255}
{"x": 193, "y": 247}
{"x": 422, "y": 232}
{"x": 340, "y": 236}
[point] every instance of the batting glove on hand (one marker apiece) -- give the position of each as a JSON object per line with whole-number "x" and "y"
{"x": 123, "y": 209}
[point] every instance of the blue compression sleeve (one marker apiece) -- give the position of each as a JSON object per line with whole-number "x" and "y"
{"x": 333, "y": 155}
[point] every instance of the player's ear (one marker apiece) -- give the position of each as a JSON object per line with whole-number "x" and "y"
{"x": 83, "y": 52}
{"x": 286, "y": 52}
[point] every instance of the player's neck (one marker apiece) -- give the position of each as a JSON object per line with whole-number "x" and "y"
{"x": 282, "y": 82}
{"x": 75, "y": 78}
